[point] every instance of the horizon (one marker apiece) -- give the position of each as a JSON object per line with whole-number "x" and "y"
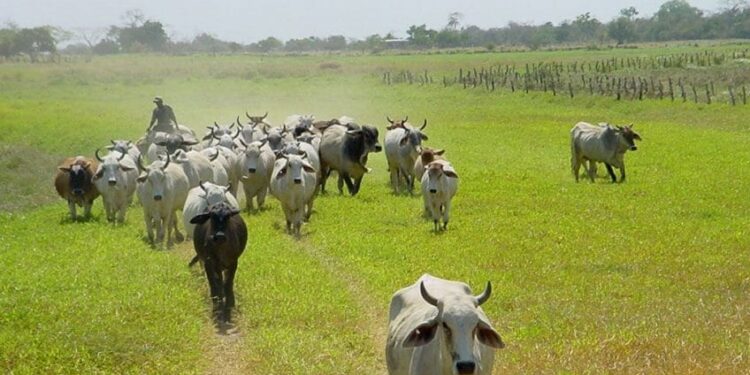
{"x": 336, "y": 17}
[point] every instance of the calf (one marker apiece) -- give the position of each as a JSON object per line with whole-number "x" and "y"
{"x": 439, "y": 185}
{"x": 73, "y": 183}
{"x": 219, "y": 238}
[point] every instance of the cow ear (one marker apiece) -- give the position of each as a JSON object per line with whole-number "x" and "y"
{"x": 422, "y": 335}
{"x": 64, "y": 169}
{"x": 126, "y": 169}
{"x": 450, "y": 172}
{"x": 142, "y": 177}
{"x": 307, "y": 167}
{"x": 423, "y": 136}
{"x": 161, "y": 143}
{"x": 234, "y": 212}
{"x": 403, "y": 141}
{"x": 439, "y": 152}
{"x": 98, "y": 174}
{"x": 488, "y": 336}
{"x": 200, "y": 219}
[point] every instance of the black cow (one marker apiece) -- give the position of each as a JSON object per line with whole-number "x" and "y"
{"x": 345, "y": 149}
{"x": 219, "y": 238}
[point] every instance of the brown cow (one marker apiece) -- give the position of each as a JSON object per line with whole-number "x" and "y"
{"x": 427, "y": 156}
{"x": 73, "y": 183}
{"x": 220, "y": 237}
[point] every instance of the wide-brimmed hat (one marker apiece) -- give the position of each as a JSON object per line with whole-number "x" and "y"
{"x": 158, "y": 99}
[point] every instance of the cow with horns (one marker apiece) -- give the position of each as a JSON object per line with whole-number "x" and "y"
{"x": 403, "y": 145}
{"x": 115, "y": 178}
{"x": 73, "y": 183}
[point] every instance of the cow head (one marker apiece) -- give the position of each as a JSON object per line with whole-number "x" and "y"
{"x": 304, "y": 125}
{"x": 174, "y": 142}
{"x": 275, "y": 137}
{"x": 252, "y": 156}
{"x": 292, "y": 166}
{"x": 628, "y": 137}
{"x": 120, "y": 145}
{"x": 227, "y": 140}
{"x": 218, "y": 216}
{"x": 79, "y": 176}
{"x": 110, "y": 168}
{"x": 437, "y": 171}
{"x": 396, "y": 124}
{"x": 460, "y": 323}
{"x": 428, "y": 155}
{"x": 154, "y": 175}
{"x": 214, "y": 194}
{"x": 413, "y": 137}
{"x": 255, "y": 120}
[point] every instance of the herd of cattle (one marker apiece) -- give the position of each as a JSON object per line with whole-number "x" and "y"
{"x": 436, "y": 326}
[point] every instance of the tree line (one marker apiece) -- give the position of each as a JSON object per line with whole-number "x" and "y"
{"x": 675, "y": 20}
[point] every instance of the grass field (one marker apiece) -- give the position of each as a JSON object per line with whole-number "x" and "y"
{"x": 652, "y": 275}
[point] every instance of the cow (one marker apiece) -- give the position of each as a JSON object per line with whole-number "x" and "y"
{"x": 439, "y": 185}
{"x": 126, "y": 147}
{"x": 437, "y": 326}
{"x": 219, "y": 239}
{"x": 217, "y": 162}
{"x": 169, "y": 144}
{"x": 403, "y": 144}
{"x": 202, "y": 196}
{"x": 196, "y": 165}
{"x": 603, "y": 143}
{"x": 293, "y": 184}
{"x": 257, "y": 165}
{"x": 345, "y": 150}
{"x": 253, "y": 131}
{"x": 73, "y": 183}
{"x": 115, "y": 178}
{"x": 427, "y": 156}
{"x": 162, "y": 189}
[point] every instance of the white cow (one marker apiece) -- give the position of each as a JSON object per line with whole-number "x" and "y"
{"x": 257, "y": 165}
{"x": 197, "y": 167}
{"x": 603, "y": 143}
{"x": 200, "y": 198}
{"x": 437, "y": 326}
{"x": 162, "y": 189}
{"x": 217, "y": 162}
{"x": 115, "y": 180}
{"x": 403, "y": 144}
{"x": 125, "y": 146}
{"x": 293, "y": 184}
{"x": 439, "y": 185}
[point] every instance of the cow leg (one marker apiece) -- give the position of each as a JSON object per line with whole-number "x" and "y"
{"x": 229, "y": 292}
{"x": 575, "y": 165}
{"x": 591, "y": 170}
{"x": 159, "y": 223}
{"x": 149, "y": 226}
{"x": 262, "y": 197}
{"x": 324, "y": 173}
{"x": 177, "y": 234}
{"x": 354, "y": 187}
{"x": 446, "y": 214}
{"x": 309, "y": 210}
{"x": 72, "y": 209}
{"x": 340, "y": 183}
{"x": 395, "y": 179}
{"x": 248, "y": 199}
{"x": 622, "y": 172}
{"x": 121, "y": 213}
{"x": 611, "y": 172}
{"x": 214, "y": 282}
{"x": 87, "y": 208}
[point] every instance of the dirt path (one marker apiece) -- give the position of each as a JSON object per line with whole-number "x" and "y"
{"x": 375, "y": 318}
{"x": 225, "y": 348}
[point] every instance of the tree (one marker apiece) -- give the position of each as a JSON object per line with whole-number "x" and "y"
{"x": 420, "y": 36}
{"x": 677, "y": 20}
{"x": 269, "y": 44}
{"x": 454, "y": 21}
{"x": 622, "y": 29}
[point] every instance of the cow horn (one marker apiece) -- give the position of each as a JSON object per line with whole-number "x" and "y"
{"x": 200, "y": 183}
{"x": 389, "y": 119}
{"x": 248, "y": 116}
{"x": 405, "y": 119}
{"x": 121, "y": 156}
{"x": 264, "y": 116}
{"x": 96, "y": 153}
{"x": 426, "y": 296}
{"x": 236, "y": 135}
{"x": 423, "y": 125}
{"x": 216, "y": 155}
{"x": 482, "y": 298}
{"x": 263, "y": 142}
{"x": 231, "y": 126}
{"x": 243, "y": 142}
{"x": 239, "y": 123}
{"x": 216, "y": 125}
{"x": 140, "y": 163}
{"x": 229, "y": 187}
{"x": 167, "y": 163}
{"x": 113, "y": 142}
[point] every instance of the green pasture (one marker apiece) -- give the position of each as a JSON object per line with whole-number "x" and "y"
{"x": 652, "y": 275}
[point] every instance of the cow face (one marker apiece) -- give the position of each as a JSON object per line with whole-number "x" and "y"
{"x": 437, "y": 171}
{"x": 293, "y": 167}
{"x": 110, "y": 169}
{"x": 628, "y": 136}
{"x": 252, "y": 156}
{"x": 155, "y": 176}
{"x": 275, "y": 138}
{"x": 219, "y": 215}
{"x": 78, "y": 178}
{"x": 120, "y": 145}
{"x": 459, "y": 324}
{"x": 370, "y": 135}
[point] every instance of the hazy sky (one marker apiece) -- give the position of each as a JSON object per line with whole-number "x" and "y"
{"x": 251, "y": 20}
